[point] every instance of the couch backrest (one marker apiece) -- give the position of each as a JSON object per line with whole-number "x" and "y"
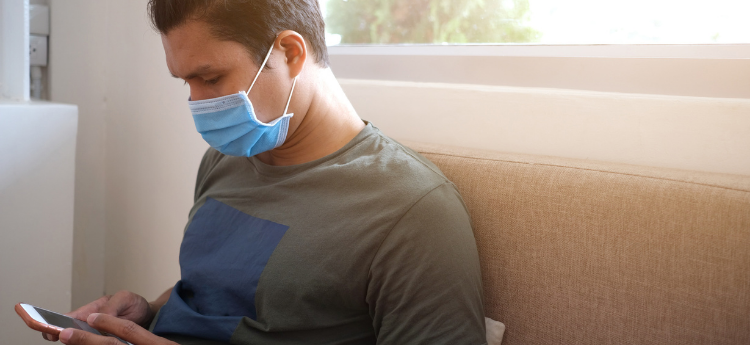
{"x": 576, "y": 252}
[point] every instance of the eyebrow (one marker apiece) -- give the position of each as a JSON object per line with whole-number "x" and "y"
{"x": 198, "y": 71}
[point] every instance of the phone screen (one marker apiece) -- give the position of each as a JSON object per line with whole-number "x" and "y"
{"x": 63, "y": 321}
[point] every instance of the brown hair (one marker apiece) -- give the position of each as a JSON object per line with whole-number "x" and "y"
{"x": 252, "y": 23}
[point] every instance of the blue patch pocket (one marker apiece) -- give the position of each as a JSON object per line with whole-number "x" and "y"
{"x": 222, "y": 256}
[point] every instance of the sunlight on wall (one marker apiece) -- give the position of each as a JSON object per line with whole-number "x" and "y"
{"x": 641, "y": 21}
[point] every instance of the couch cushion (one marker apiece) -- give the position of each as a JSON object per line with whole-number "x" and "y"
{"x": 579, "y": 252}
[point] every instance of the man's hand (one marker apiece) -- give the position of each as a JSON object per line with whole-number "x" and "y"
{"x": 125, "y": 329}
{"x": 124, "y": 304}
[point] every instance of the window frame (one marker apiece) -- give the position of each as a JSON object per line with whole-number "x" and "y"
{"x": 698, "y": 70}
{"x": 674, "y": 51}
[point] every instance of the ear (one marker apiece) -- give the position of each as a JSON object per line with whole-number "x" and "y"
{"x": 295, "y": 51}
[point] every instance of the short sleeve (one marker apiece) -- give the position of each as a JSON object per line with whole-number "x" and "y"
{"x": 425, "y": 282}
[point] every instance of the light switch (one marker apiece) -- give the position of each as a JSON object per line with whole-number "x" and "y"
{"x": 38, "y": 50}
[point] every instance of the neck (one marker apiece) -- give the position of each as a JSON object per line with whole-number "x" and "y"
{"x": 328, "y": 125}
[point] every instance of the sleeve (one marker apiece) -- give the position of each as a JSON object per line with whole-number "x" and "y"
{"x": 425, "y": 281}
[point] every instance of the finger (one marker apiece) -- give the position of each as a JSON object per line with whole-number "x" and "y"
{"x": 49, "y": 337}
{"x": 117, "y": 304}
{"x": 125, "y": 329}
{"x": 71, "y": 336}
{"x": 83, "y": 312}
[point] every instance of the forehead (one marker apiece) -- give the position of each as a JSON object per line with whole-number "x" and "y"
{"x": 190, "y": 47}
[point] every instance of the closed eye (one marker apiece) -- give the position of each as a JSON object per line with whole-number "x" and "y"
{"x": 207, "y": 82}
{"x": 212, "y": 81}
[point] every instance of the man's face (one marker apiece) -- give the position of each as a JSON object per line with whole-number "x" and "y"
{"x": 215, "y": 68}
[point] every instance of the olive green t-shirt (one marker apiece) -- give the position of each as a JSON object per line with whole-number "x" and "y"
{"x": 369, "y": 245}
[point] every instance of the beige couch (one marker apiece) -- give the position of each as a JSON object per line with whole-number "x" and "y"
{"x": 578, "y": 252}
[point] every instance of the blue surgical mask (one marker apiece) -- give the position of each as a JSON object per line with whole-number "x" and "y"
{"x": 229, "y": 123}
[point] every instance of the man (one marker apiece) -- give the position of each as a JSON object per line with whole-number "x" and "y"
{"x": 309, "y": 225}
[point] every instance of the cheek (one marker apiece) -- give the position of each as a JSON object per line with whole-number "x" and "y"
{"x": 199, "y": 90}
{"x": 269, "y": 96}
{"x": 265, "y": 103}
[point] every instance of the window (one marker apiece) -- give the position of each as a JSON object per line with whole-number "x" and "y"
{"x": 536, "y": 21}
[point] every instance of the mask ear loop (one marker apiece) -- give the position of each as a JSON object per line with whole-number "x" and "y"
{"x": 294, "y": 82}
{"x": 261, "y": 66}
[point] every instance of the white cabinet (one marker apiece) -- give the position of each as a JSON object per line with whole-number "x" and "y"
{"x": 37, "y": 169}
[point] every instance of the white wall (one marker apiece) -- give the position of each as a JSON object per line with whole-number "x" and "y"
{"x": 106, "y": 59}
{"x": 153, "y": 153}
{"x": 690, "y": 133}
{"x": 139, "y": 152}
{"x": 14, "y": 50}
{"x": 78, "y": 70}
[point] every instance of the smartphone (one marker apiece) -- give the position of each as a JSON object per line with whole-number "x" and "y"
{"x": 46, "y": 321}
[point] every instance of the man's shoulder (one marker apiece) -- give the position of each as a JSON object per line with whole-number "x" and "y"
{"x": 397, "y": 166}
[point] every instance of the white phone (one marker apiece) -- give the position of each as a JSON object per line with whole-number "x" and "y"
{"x": 46, "y": 321}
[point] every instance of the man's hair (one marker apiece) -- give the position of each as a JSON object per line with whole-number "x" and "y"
{"x": 252, "y": 23}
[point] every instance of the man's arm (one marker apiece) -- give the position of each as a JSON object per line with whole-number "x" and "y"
{"x": 156, "y": 304}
